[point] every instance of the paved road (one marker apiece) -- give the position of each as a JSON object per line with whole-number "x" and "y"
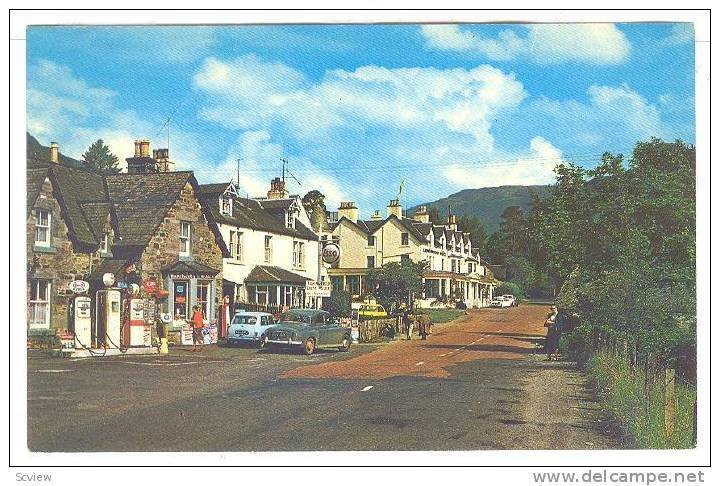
{"x": 477, "y": 383}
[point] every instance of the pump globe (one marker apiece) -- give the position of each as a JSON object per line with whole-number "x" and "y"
{"x": 108, "y": 279}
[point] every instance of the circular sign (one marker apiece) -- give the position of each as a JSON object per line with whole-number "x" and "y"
{"x": 78, "y": 286}
{"x": 108, "y": 279}
{"x": 331, "y": 253}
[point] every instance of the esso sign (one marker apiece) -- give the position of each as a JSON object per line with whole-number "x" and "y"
{"x": 331, "y": 253}
{"x": 78, "y": 286}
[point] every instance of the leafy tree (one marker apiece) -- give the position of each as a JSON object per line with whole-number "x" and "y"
{"x": 98, "y": 157}
{"x": 339, "y": 303}
{"x": 314, "y": 203}
{"x": 505, "y": 288}
{"x": 395, "y": 283}
{"x": 472, "y": 225}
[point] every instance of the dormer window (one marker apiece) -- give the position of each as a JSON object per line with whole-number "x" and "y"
{"x": 290, "y": 219}
{"x": 226, "y": 206}
{"x": 106, "y": 243}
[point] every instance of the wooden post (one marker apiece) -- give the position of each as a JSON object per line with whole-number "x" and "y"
{"x": 669, "y": 395}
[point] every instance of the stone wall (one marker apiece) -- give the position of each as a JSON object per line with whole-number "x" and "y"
{"x": 61, "y": 263}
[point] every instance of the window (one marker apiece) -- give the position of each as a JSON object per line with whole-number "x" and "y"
{"x": 42, "y": 227}
{"x": 337, "y": 283}
{"x": 268, "y": 249}
{"x": 226, "y": 206}
{"x": 298, "y": 254}
{"x": 236, "y": 246}
{"x": 353, "y": 284}
{"x": 180, "y": 299}
{"x": 453, "y": 266}
{"x": 105, "y": 243}
{"x": 371, "y": 262}
{"x": 202, "y": 297}
{"x": 39, "y": 303}
{"x": 290, "y": 218}
{"x": 404, "y": 239}
{"x": 184, "y": 238}
{"x": 404, "y": 259}
{"x": 371, "y": 240}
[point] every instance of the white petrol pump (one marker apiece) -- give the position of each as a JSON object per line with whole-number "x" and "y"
{"x": 107, "y": 315}
{"x": 82, "y": 321}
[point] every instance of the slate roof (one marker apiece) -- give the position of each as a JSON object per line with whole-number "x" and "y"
{"x": 96, "y": 213}
{"x": 108, "y": 265}
{"x": 190, "y": 267}
{"x": 141, "y": 201}
{"x": 251, "y": 213}
{"x": 35, "y": 178}
{"x": 273, "y": 274}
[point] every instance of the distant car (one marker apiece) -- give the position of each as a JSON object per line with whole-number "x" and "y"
{"x": 512, "y": 299}
{"x": 502, "y": 301}
{"x": 308, "y": 330}
{"x": 369, "y": 311}
{"x": 248, "y": 326}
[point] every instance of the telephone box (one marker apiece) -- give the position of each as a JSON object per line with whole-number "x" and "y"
{"x": 82, "y": 322}
{"x": 107, "y": 318}
{"x": 136, "y": 332}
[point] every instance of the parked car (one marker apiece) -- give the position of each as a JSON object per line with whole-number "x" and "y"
{"x": 308, "y": 330}
{"x": 248, "y": 326}
{"x": 369, "y": 311}
{"x": 512, "y": 299}
{"x": 502, "y": 301}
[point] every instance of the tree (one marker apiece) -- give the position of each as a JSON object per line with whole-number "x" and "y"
{"x": 339, "y": 303}
{"x": 314, "y": 203}
{"x": 471, "y": 224}
{"x": 435, "y": 216}
{"x": 98, "y": 157}
{"x": 395, "y": 283}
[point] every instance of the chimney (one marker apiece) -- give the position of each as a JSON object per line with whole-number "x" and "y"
{"x": 277, "y": 189}
{"x": 54, "y": 153}
{"x": 137, "y": 148}
{"x": 376, "y": 215}
{"x": 452, "y": 222}
{"x": 145, "y": 148}
{"x": 162, "y": 156}
{"x": 349, "y": 210}
{"x": 395, "y": 208}
{"x": 422, "y": 215}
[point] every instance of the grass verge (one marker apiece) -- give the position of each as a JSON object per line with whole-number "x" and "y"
{"x": 622, "y": 392}
{"x": 440, "y": 316}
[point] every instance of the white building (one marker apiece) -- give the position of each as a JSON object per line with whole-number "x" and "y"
{"x": 273, "y": 251}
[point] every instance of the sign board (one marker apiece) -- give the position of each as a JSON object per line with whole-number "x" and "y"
{"x": 331, "y": 253}
{"x": 150, "y": 285}
{"x": 318, "y": 289}
{"x": 137, "y": 310}
{"x": 78, "y": 286}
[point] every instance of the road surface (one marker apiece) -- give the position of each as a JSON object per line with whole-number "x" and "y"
{"x": 480, "y": 382}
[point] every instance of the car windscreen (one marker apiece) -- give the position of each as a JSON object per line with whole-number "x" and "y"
{"x": 251, "y": 320}
{"x": 295, "y": 317}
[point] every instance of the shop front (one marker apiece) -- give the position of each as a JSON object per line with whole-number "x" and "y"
{"x": 274, "y": 286}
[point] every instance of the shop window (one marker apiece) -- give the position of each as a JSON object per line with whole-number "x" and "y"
{"x": 39, "y": 303}
{"x": 337, "y": 283}
{"x": 185, "y": 235}
{"x": 180, "y": 299}
{"x": 353, "y": 284}
{"x": 42, "y": 227}
{"x": 404, "y": 239}
{"x": 268, "y": 249}
{"x": 261, "y": 294}
{"x": 236, "y": 245}
{"x": 202, "y": 297}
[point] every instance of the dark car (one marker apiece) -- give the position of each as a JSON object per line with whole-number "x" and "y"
{"x": 306, "y": 329}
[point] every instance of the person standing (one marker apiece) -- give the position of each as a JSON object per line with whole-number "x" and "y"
{"x": 198, "y": 324}
{"x": 552, "y": 339}
{"x": 408, "y": 323}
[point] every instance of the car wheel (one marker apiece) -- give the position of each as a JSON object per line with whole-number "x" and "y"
{"x": 345, "y": 345}
{"x": 309, "y": 346}
{"x": 263, "y": 342}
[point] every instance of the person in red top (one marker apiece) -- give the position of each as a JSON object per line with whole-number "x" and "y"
{"x": 197, "y": 321}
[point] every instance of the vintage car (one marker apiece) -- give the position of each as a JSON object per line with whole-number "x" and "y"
{"x": 308, "y": 330}
{"x": 248, "y": 326}
{"x": 371, "y": 311}
{"x": 503, "y": 301}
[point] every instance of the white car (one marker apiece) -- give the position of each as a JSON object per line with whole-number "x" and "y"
{"x": 248, "y": 326}
{"x": 503, "y": 301}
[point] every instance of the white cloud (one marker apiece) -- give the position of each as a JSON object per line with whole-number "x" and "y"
{"x": 64, "y": 108}
{"x": 540, "y": 43}
{"x": 680, "y": 34}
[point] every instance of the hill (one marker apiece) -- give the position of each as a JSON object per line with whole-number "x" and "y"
{"x": 37, "y": 153}
{"x": 486, "y": 203}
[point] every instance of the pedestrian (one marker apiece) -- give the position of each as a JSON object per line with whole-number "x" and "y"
{"x": 424, "y": 326}
{"x": 552, "y": 338}
{"x": 408, "y": 323}
{"x": 197, "y": 322}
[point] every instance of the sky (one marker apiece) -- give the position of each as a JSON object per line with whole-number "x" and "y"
{"x": 357, "y": 109}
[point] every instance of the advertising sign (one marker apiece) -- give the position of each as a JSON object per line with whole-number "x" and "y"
{"x": 78, "y": 286}
{"x": 150, "y": 285}
{"x": 318, "y": 289}
{"x": 331, "y": 253}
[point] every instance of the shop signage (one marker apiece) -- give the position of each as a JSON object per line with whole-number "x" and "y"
{"x": 78, "y": 286}
{"x": 318, "y": 289}
{"x": 150, "y": 285}
{"x": 189, "y": 276}
{"x": 331, "y": 253}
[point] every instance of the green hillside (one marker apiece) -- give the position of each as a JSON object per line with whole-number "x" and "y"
{"x": 486, "y": 203}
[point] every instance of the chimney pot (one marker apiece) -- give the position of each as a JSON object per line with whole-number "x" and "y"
{"x": 138, "y": 150}
{"x": 349, "y": 210}
{"x": 145, "y": 148}
{"x": 54, "y": 156}
{"x": 395, "y": 208}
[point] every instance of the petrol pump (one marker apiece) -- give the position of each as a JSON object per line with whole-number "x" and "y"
{"x": 107, "y": 315}
{"x": 136, "y": 332}
{"x": 80, "y": 315}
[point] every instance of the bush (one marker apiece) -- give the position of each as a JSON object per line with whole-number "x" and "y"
{"x": 505, "y": 288}
{"x": 641, "y": 412}
{"x": 339, "y": 303}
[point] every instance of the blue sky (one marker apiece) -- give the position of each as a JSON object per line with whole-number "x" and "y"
{"x": 358, "y": 108}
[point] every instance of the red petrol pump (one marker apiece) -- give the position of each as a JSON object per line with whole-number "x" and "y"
{"x": 136, "y": 331}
